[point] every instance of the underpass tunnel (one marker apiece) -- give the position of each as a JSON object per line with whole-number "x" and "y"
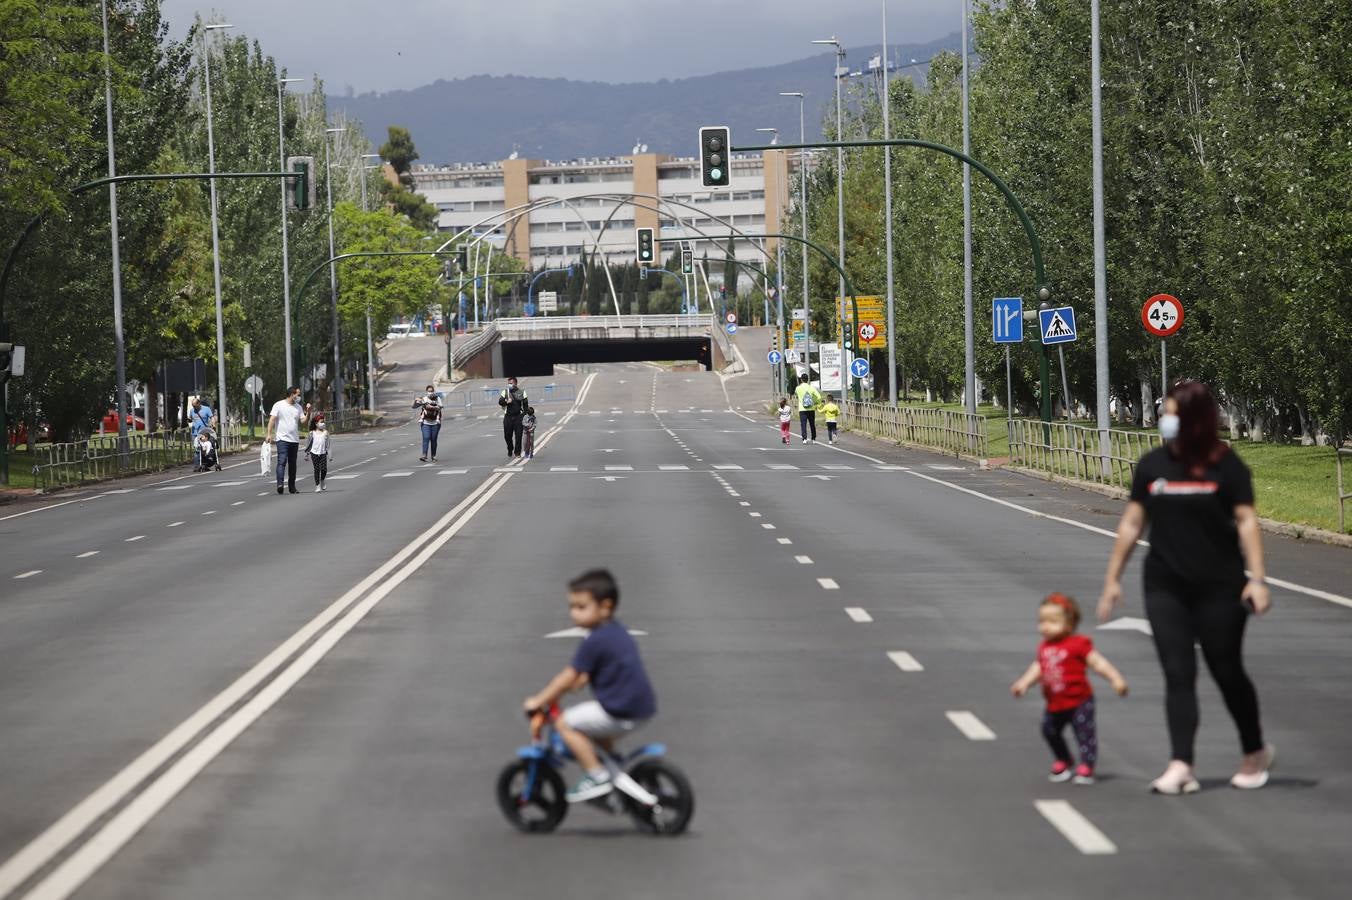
{"x": 526, "y": 358}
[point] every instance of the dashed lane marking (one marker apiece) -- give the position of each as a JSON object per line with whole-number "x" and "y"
{"x": 728, "y": 468}
{"x": 858, "y": 614}
{"x": 803, "y": 560}
{"x": 784, "y": 541}
{"x": 754, "y": 515}
{"x": 342, "y": 476}
{"x": 173, "y": 524}
{"x": 396, "y": 475}
{"x": 28, "y": 574}
{"x": 828, "y": 584}
{"x": 619, "y": 468}
{"x": 743, "y": 502}
{"x": 453, "y": 472}
{"x": 905, "y": 661}
{"x": 673, "y": 468}
{"x": 783, "y": 467}
{"x": 238, "y": 503}
{"x": 767, "y": 526}
{"x": 177, "y": 487}
{"x": 210, "y": 512}
{"x": 971, "y": 727}
{"x": 229, "y": 483}
{"x": 563, "y": 468}
{"x": 87, "y": 554}
{"x": 839, "y": 468}
{"x": 134, "y": 538}
{"x": 1074, "y": 827}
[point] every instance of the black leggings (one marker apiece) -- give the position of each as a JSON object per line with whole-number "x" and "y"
{"x": 1181, "y": 615}
{"x": 1081, "y": 721}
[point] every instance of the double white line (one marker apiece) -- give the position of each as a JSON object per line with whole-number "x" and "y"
{"x": 143, "y": 788}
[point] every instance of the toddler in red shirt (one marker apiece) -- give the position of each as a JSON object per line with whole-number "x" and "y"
{"x": 1060, "y": 666}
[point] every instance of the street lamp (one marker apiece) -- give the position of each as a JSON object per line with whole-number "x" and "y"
{"x": 802, "y": 208}
{"x": 333, "y": 271}
{"x": 842, "y": 71}
{"x": 118, "y": 339}
{"x": 286, "y": 256}
{"x": 779, "y": 253}
{"x": 215, "y": 237}
{"x": 887, "y": 216}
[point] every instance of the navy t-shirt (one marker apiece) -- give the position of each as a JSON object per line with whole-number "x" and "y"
{"x": 609, "y": 656}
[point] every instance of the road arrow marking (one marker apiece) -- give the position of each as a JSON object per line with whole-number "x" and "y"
{"x": 1127, "y": 623}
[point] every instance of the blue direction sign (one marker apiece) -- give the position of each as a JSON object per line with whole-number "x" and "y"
{"x": 859, "y": 367}
{"x": 529, "y": 309}
{"x": 732, "y": 328}
{"x": 774, "y": 357}
{"x": 1007, "y": 320}
{"x": 1058, "y": 325}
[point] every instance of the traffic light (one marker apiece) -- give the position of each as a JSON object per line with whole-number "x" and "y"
{"x": 688, "y": 262}
{"x": 714, "y": 161}
{"x": 6, "y": 355}
{"x": 462, "y": 257}
{"x": 646, "y": 251}
{"x": 301, "y": 191}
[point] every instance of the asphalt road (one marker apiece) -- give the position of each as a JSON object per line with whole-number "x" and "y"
{"x": 354, "y": 754}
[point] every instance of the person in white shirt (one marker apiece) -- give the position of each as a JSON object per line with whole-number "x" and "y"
{"x": 284, "y": 423}
{"x": 317, "y": 450}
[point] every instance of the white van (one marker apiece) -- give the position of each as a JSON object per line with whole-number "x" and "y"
{"x": 399, "y": 331}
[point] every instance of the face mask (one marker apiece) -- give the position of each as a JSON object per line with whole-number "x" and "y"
{"x": 1168, "y": 426}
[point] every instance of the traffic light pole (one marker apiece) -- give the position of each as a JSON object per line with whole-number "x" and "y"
{"x": 1044, "y": 291}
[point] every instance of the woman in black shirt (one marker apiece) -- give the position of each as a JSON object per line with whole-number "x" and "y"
{"x": 1198, "y": 498}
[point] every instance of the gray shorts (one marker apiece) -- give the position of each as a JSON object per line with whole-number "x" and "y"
{"x": 591, "y": 719}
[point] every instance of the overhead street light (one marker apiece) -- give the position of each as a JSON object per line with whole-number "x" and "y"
{"x": 802, "y": 208}
{"x": 215, "y": 234}
{"x": 841, "y": 72}
{"x": 333, "y": 273}
{"x": 779, "y": 251}
{"x": 286, "y": 253}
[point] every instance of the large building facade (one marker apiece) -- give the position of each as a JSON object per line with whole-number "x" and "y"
{"x": 666, "y": 195}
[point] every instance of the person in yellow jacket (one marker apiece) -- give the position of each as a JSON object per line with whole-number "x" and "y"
{"x": 809, "y": 398}
{"x": 831, "y": 413}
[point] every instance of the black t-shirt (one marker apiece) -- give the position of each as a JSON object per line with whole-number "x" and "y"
{"x": 1192, "y": 519}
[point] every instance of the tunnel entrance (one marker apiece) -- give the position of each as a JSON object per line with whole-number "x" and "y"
{"x": 522, "y": 358}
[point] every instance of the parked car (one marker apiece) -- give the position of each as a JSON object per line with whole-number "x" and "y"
{"x": 108, "y": 425}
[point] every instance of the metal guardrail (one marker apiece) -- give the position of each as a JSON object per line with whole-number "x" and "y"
{"x": 338, "y": 422}
{"x": 1073, "y": 451}
{"x": 1343, "y": 495}
{"x": 95, "y": 459}
{"x": 941, "y": 429}
{"x": 541, "y": 323}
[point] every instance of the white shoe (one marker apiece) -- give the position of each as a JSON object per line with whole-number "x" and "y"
{"x": 1258, "y": 779}
{"x": 1177, "y": 779}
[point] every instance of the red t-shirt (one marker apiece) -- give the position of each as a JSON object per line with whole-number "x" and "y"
{"x": 1064, "y": 682}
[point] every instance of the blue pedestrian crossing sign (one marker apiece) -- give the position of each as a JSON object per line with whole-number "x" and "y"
{"x": 732, "y": 327}
{"x": 859, "y": 367}
{"x": 1007, "y": 320}
{"x": 774, "y": 357}
{"x": 1058, "y": 325}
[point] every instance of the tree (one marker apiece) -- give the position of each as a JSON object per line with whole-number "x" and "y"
{"x": 400, "y": 153}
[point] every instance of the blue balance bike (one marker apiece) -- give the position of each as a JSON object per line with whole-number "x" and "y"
{"x": 648, "y": 788}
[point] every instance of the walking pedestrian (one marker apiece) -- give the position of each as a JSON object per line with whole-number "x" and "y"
{"x": 785, "y": 419}
{"x": 513, "y": 403}
{"x": 809, "y": 398}
{"x": 528, "y": 422}
{"x": 284, "y": 426}
{"x": 831, "y": 413}
{"x": 317, "y": 450}
{"x": 430, "y": 419}
{"x": 1062, "y": 658}
{"x": 1198, "y": 498}
{"x": 201, "y": 420}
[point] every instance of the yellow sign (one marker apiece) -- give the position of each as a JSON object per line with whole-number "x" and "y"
{"x": 870, "y": 332}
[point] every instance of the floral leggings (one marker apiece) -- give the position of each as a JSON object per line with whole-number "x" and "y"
{"x": 1081, "y": 719}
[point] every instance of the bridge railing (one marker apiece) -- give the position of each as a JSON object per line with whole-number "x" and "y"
{"x": 550, "y": 323}
{"x": 1073, "y": 451}
{"x": 463, "y": 350}
{"x": 942, "y": 429}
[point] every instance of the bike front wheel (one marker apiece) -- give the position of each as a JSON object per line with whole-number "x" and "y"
{"x": 532, "y": 796}
{"x": 675, "y": 798}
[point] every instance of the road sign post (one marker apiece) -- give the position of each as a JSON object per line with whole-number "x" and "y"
{"x": 1162, "y": 316}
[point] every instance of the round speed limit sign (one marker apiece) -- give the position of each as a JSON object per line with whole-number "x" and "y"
{"x": 867, "y": 331}
{"x": 1162, "y": 315}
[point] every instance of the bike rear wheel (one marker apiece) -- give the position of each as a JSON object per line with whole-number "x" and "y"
{"x": 675, "y": 798}
{"x": 547, "y": 804}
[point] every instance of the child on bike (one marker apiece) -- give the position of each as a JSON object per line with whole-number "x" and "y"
{"x": 785, "y": 418}
{"x": 528, "y": 427}
{"x": 1060, "y": 666}
{"x": 608, "y": 660}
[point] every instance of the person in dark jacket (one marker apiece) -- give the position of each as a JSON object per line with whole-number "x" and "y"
{"x": 513, "y": 402}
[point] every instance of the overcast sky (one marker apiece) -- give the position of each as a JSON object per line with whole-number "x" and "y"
{"x": 377, "y": 46}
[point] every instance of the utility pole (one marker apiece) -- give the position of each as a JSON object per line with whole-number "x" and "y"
{"x": 216, "y": 241}
{"x": 118, "y": 338}
{"x": 1100, "y": 249}
{"x": 337, "y": 380}
{"x": 887, "y": 216}
{"x": 969, "y": 348}
{"x": 286, "y": 253}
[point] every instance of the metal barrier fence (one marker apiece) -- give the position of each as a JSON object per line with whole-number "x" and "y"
{"x": 544, "y": 393}
{"x": 1073, "y": 451}
{"x": 942, "y": 429}
{"x": 68, "y": 464}
{"x": 1343, "y": 495}
{"x": 543, "y": 323}
{"x": 348, "y": 420}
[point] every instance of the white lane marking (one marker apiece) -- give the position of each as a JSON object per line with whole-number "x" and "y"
{"x": 673, "y": 468}
{"x": 838, "y": 468}
{"x": 767, "y": 526}
{"x": 51, "y": 506}
{"x": 828, "y": 584}
{"x": 893, "y": 468}
{"x": 743, "y": 502}
{"x": 228, "y": 483}
{"x": 453, "y": 472}
{"x": 135, "y": 538}
{"x": 115, "y": 833}
{"x": 396, "y": 475}
{"x": 619, "y": 468}
{"x": 905, "y": 661}
{"x": 238, "y": 503}
{"x": 173, "y": 524}
{"x": 803, "y": 560}
{"x": 177, "y": 487}
{"x": 733, "y": 494}
{"x": 87, "y": 554}
{"x": 858, "y": 614}
{"x": 210, "y": 512}
{"x": 343, "y": 476}
{"x": 971, "y": 727}
{"x": 942, "y": 468}
{"x": 780, "y": 466}
{"x": 727, "y": 468}
{"x": 28, "y": 574}
{"x": 1074, "y": 827}
{"x": 563, "y": 468}
{"x": 784, "y": 540}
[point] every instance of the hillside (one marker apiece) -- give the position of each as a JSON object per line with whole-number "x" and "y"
{"x": 485, "y": 117}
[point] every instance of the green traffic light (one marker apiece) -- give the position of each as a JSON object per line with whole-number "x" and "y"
{"x": 716, "y": 174}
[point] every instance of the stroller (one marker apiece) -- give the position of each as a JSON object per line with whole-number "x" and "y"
{"x": 206, "y": 451}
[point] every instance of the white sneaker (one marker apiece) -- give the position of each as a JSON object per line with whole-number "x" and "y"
{"x": 1177, "y": 779}
{"x": 1257, "y": 779}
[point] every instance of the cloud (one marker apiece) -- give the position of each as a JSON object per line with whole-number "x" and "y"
{"x": 414, "y": 42}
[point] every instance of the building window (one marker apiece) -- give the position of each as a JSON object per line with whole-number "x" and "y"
{"x": 487, "y": 205}
{"x": 487, "y": 182}
{"x": 667, "y": 174}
